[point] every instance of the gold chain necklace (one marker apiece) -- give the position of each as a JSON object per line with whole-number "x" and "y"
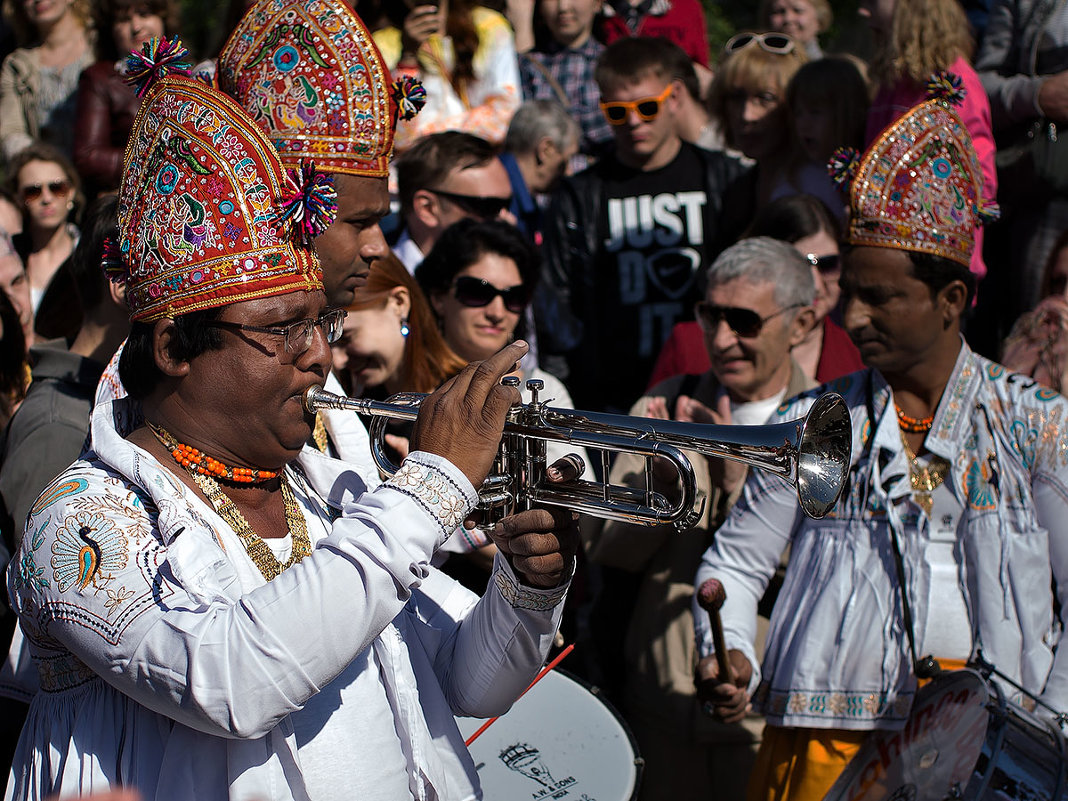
{"x": 258, "y": 550}
{"x": 925, "y": 478}
{"x": 260, "y": 553}
{"x": 320, "y": 435}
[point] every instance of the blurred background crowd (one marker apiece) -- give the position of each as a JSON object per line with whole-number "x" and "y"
{"x": 578, "y": 166}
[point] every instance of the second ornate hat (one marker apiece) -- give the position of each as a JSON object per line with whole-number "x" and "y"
{"x": 918, "y": 187}
{"x": 310, "y": 74}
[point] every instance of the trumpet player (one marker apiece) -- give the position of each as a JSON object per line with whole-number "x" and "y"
{"x": 954, "y": 524}
{"x": 217, "y": 610}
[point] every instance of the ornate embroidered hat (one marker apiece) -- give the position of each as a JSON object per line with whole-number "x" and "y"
{"x": 207, "y": 214}
{"x": 919, "y": 185}
{"x": 310, "y": 74}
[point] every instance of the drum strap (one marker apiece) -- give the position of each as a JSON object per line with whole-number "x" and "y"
{"x": 925, "y": 667}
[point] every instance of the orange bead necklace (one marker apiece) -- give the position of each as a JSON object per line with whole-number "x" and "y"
{"x": 199, "y": 462}
{"x": 913, "y": 425}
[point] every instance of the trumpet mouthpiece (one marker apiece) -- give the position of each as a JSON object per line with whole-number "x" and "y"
{"x": 309, "y": 398}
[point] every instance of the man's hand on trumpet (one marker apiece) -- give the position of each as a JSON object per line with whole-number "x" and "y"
{"x": 463, "y": 422}
{"x": 464, "y": 419}
{"x": 541, "y": 543}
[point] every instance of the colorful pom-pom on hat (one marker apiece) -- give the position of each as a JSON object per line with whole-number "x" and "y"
{"x": 409, "y": 94}
{"x": 918, "y": 187}
{"x": 946, "y": 86}
{"x": 311, "y": 75}
{"x": 309, "y": 202}
{"x": 158, "y": 58}
{"x": 201, "y": 218}
{"x": 843, "y": 166}
{"x": 112, "y": 262}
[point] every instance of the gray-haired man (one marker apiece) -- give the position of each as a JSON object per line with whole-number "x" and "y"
{"x": 756, "y": 308}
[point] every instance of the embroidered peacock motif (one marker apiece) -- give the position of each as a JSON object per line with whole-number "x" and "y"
{"x": 88, "y": 549}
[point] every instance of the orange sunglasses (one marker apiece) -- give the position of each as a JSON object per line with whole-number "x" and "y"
{"x": 646, "y": 108}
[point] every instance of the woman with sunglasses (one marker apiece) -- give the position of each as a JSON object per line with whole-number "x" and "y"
{"x": 805, "y": 222}
{"x": 748, "y": 98}
{"x": 49, "y": 191}
{"x": 826, "y": 352}
{"x": 479, "y": 277}
{"x": 915, "y": 39}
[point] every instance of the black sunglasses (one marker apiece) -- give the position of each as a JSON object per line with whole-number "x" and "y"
{"x": 476, "y": 293}
{"x": 825, "y": 264}
{"x": 745, "y": 323}
{"x": 485, "y": 208}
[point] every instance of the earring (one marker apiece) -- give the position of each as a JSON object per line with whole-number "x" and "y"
{"x": 405, "y": 330}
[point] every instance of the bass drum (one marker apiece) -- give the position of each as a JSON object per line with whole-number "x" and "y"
{"x": 963, "y": 740}
{"x": 559, "y": 741}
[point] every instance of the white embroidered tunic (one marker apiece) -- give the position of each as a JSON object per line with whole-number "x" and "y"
{"x": 168, "y": 664}
{"x": 836, "y": 654}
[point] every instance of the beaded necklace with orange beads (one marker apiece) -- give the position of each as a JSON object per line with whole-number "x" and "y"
{"x": 199, "y": 462}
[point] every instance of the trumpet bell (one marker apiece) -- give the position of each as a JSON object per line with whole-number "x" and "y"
{"x": 824, "y": 453}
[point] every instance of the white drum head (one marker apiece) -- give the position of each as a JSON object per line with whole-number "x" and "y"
{"x": 559, "y": 741}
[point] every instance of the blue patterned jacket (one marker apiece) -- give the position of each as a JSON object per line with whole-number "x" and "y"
{"x": 836, "y": 654}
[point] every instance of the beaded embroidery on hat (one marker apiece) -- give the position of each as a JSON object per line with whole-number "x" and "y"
{"x": 200, "y": 217}
{"x": 918, "y": 187}
{"x": 311, "y": 75}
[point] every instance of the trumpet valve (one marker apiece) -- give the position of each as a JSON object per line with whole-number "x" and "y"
{"x": 534, "y": 386}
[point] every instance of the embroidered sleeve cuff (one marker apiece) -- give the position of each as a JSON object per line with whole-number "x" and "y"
{"x": 439, "y": 487}
{"x": 520, "y": 596}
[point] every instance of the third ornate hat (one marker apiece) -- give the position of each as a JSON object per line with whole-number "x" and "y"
{"x": 310, "y": 74}
{"x": 918, "y": 187}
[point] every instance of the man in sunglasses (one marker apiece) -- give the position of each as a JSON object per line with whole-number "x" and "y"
{"x": 756, "y": 308}
{"x": 950, "y": 537}
{"x": 442, "y": 179}
{"x": 626, "y": 239}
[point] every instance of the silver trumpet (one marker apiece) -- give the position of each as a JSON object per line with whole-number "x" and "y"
{"x": 812, "y": 453}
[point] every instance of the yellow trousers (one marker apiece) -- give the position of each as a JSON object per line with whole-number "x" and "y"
{"x": 800, "y": 764}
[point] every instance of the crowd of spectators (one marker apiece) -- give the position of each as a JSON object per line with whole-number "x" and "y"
{"x": 577, "y": 169}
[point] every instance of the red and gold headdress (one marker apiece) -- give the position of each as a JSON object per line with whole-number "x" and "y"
{"x": 310, "y": 74}
{"x": 919, "y": 185}
{"x": 207, "y": 214}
